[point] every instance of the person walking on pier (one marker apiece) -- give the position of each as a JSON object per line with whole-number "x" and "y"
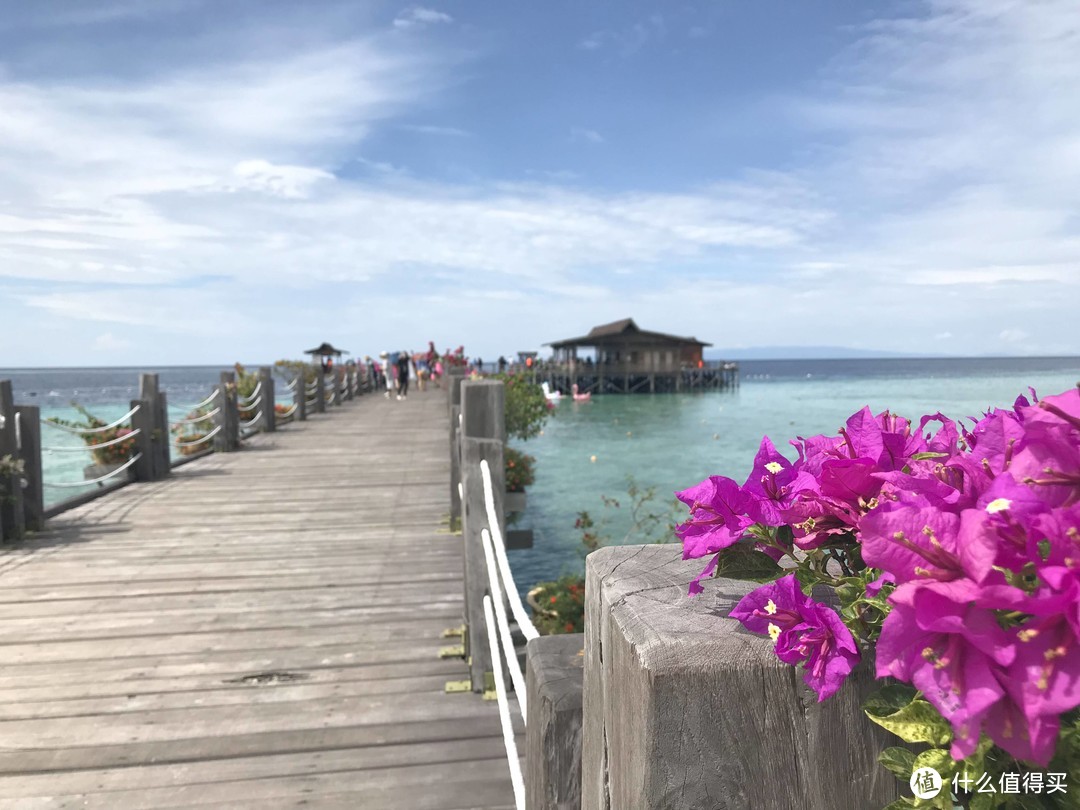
{"x": 388, "y": 372}
{"x": 403, "y": 375}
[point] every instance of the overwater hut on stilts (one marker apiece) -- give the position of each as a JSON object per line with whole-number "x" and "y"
{"x": 622, "y": 358}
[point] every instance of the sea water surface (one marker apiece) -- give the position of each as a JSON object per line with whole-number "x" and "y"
{"x": 666, "y": 441}
{"x": 672, "y": 441}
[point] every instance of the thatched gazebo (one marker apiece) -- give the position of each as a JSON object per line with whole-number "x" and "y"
{"x": 324, "y": 354}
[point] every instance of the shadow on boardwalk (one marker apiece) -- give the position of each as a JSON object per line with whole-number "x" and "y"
{"x": 261, "y": 630}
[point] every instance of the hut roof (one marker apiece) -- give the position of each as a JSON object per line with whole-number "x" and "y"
{"x": 618, "y": 331}
{"x": 325, "y": 350}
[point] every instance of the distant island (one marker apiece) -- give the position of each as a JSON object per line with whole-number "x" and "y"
{"x": 807, "y": 353}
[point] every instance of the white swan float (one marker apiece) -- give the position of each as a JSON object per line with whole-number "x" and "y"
{"x": 552, "y": 396}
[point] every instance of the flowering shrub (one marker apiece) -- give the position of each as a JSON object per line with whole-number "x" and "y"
{"x": 113, "y": 454}
{"x": 519, "y": 470}
{"x": 953, "y": 556}
{"x": 525, "y": 406}
{"x": 559, "y": 607}
{"x": 197, "y": 424}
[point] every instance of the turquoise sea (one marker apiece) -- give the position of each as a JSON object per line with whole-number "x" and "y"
{"x": 666, "y": 441}
{"x": 671, "y": 441}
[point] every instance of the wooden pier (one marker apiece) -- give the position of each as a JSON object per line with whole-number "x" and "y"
{"x": 261, "y": 629}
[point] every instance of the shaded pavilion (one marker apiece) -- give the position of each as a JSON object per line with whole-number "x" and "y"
{"x": 629, "y": 359}
{"x": 324, "y": 354}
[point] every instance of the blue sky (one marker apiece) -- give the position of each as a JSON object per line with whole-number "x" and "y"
{"x": 186, "y": 181}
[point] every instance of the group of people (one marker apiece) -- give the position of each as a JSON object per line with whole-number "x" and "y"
{"x": 393, "y": 371}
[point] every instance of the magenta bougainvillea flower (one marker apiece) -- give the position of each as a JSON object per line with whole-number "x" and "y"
{"x": 954, "y": 551}
{"x": 804, "y": 631}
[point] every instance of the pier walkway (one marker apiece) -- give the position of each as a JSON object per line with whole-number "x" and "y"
{"x": 260, "y": 630}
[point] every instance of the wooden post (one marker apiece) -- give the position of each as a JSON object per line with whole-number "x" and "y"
{"x": 143, "y": 421}
{"x": 553, "y": 731}
{"x": 454, "y": 379}
{"x": 300, "y": 396}
{"x": 348, "y": 386}
{"x": 683, "y": 708}
{"x": 29, "y": 420}
{"x": 228, "y": 416}
{"x": 12, "y": 526}
{"x": 269, "y": 400}
{"x": 156, "y": 406}
{"x": 335, "y": 387}
{"x": 483, "y": 437}
{"x": 320, "y": 391}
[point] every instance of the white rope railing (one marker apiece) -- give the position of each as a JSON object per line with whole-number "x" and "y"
{"x": 247, "y": 406}
{"x": 84, "y": 431}
{"x": 289, "y": 411}
{"x": 251, "y": 423}
{"x": 18, "y": 430}
{"x": 196, "y": 407}
{"x": 504, "y": 713}
{"x": 291, "y": 385}
{"x": 109, "y": 443}
{"x": 100, "y": 480}
{"x": 518, "y": 609}
{"x": 197, "y": 419}
{"x": 193, "y": 442}
{"x": 247, "y": 402}
{"x": 517, "y": 677}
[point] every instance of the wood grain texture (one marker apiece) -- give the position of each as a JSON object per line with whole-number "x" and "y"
{"x": 553, "y": 734}
{"x": 259, "y": 630}
{"x": 683, "y": 708}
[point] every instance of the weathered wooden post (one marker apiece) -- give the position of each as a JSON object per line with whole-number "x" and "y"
{"x": 12, "y": 524}
{"x": 454, "y": 380}
{"x": 335, "y": 386}
{"x": 300, "y": 396}
{"x": 28, "y": 421}
{"x": 228, "y": 415}
{"x": 268, "y": 423}
{"x": 320, "y": 391}
{"x": 555, "y": 666}
{"x": 153, "y": 440}
{"x": 483, "y": 435}
{"x": 683, "y": 708}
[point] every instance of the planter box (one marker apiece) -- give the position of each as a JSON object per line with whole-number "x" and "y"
{"x": 513, "y": 502}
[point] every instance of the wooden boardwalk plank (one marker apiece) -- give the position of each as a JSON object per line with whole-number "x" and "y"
{"x": 129, "y": 626}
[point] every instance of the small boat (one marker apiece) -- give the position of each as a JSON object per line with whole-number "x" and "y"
{"x": 552, "y": 396}
{"x": 580, "y": 397}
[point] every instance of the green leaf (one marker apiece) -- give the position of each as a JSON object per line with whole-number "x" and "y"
{"x": 916, "y": 722}
{"x": 940, "y": 761}
{"x": 924, "y": 456}
{"x": 900, "y": 804}
{"x": 742, "y": 561}
{"x": 890, "y": 698}
{"x": 900, "y": 761}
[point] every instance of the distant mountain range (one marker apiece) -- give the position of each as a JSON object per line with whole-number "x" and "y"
{"x": 804, "y": 353}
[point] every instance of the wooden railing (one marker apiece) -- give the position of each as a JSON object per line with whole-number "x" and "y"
{"x": 22, "y": 483}
{"x": 663, "y": 702}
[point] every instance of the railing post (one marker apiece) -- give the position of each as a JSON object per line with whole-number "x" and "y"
{"x": 483, "y": 436}
{"x": 454, "y": 380}
{"x": 153, "y": 401}
{"x": 335, "y": 377}
{"x": 683, "y": 708}
{"x": 29, "y": 440}
{"x": 143, "y": 421}
{"x": 228, "y": 417}
{"x": 320, "y": 391}
{"x": 300, "y": 396}
{"x": 350, "y": 382}
{"x": 553, "y": 678}
{"x": 12, "y": 526}
{"x": 269, "y": 400}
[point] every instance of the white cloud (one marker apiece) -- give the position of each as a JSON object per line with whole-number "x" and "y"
{"x": 1013, "y": 335}
{"x": 426, "y": 129}
{"x": 290, "y": 182}
{"x": 108, "y": 342}
{"x": 419, "y": 16}
{"x": 581, "y": 134}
